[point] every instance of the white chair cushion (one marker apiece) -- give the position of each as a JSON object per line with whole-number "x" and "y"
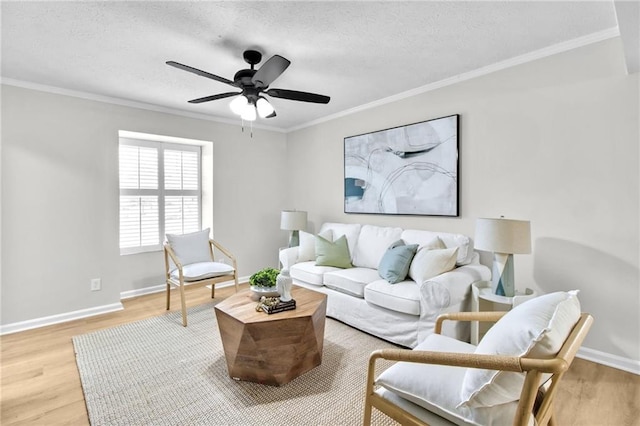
{"x": 464, "y": 243}
{"x": 349, "y": 230}
{"x": 192, "y": 247}
{"x": 350, "y": 281}
{"x": 202, "y": 271}
{"x": 373, "y": 242}
{"x": 436, "y": 388}
{"x": 307, "y": 248}
{"x": 538, "y": 328}
{"x": 309, "y": 273}
{"x": 429, "y": 263}
{"x": 400, "y": 297}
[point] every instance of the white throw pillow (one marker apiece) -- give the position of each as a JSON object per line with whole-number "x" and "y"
{"x": 373, "y": 242}
{"x": 422, "y": 238}
{"x": 431, "y": 262}
{"x": 538, "y": 328}
{"x": 192, "y": 247}
{"x": 307, "y": 248}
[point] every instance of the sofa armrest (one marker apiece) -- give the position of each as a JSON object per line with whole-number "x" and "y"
{"x": 288, "y": 257}
{"x": 451, "y": 288}
{"x": 446, "y": 293}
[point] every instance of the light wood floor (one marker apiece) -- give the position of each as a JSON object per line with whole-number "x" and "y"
{"x": 41, "y": 386}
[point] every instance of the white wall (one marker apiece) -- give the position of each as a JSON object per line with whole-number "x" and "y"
{"x": 555, "y": 141}
{"x": 60, "y": 200}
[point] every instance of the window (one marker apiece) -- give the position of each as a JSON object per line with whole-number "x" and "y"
{"x": 159, "y": 193}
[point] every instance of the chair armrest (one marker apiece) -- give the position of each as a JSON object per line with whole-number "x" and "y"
{"x": 170, "y": 254}
{"x": 467, "y": 316}
{"x": 455, "y": 359}
{"x": 224, "y": 251}
{"x": 288, "y": 257}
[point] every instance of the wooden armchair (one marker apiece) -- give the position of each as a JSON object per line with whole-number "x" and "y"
{"x": 541, "y": 377}
{"x": 189, "y": 261}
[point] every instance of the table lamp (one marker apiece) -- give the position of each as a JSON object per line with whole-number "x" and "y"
{"x": 503, "y": 237}
{"x": 293, "y": 220}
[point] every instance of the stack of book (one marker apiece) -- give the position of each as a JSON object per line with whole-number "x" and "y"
{"x": 279, "y": 307}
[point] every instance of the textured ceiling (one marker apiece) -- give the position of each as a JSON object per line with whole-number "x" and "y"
{"x": 355, "y": 52}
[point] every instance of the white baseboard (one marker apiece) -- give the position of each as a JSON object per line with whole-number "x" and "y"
{"x": 56, "y": 319}
{"x": 158, "y": 288}
{"x": 142, "y": 291}
{"x": 610, "y": 360}
{"x": 89, "y": 312}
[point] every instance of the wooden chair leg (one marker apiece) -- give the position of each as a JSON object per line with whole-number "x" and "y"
{"x": 235, "y": 278}
{"x": 184, "y": 306}
{"x": 366, "y": 419}
{"x": 168, "y": 296}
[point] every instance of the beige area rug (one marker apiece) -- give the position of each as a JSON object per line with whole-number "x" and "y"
{"x": 156, "y": 372}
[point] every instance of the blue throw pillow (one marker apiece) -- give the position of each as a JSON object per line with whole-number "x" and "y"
{"x": 394, "y": 265}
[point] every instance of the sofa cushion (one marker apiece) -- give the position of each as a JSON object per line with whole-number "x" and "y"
{"x": 401, "y": 297}
{"x": 192, "y": 247}
{"x": 394, "y": 265}
{"x": 307, "y": 248}
{"x": 537, "y": 327}
{"x": 202, "y": 270}
{"x": 373, "y": 242}
{"x": 349, "y": 230}
{"x": 422, "y": 238}
{"x": 437, "y": 387}
{"x": 309, "y": 272}
{"x": 427, "y": 263}
{"x": 350, "y": 281}
{"x": 333, "y": 253}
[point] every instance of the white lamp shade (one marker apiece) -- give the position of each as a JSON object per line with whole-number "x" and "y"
{"x": 503, "y": 236}
{"x": 293, "y": 220}
{"x": 249, "y": 113}
{"x": 264, "y": 107}
{"x": 238, "y": 104}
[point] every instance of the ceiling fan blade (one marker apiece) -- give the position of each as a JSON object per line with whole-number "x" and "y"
{"x": 200, "y": 72}
{"x": 294, "y": 95}
{"x": 214, "y": 97}
{"x": 270, "y": 70}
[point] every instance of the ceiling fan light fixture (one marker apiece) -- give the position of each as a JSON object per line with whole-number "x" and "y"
{"x": 239, "y": 104}
{"x": 264, "y": 107}
{"x": 249, "y": 113}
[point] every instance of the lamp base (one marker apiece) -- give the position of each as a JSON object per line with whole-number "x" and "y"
{"x": 294, "y": 239}
{"x": 502, "y": 281}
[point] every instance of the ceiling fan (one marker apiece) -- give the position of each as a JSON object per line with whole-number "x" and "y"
{"x": 253, "y": 84}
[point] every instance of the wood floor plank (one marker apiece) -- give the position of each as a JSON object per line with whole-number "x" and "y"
{"x": 41, "y": 385}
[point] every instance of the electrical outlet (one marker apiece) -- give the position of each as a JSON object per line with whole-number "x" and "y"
{"x": 96, "y": 284}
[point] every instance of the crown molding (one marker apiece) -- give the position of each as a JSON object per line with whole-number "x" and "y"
{"x": 125, "y": 102}
{"x": 508, "y": 63}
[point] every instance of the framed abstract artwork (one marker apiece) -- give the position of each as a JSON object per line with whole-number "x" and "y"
{"x": 406, "y": 170}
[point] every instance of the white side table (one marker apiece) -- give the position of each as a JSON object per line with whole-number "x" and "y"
{"x": 483, "y": 296}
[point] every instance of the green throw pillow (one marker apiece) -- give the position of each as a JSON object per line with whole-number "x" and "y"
{"x": 333, "y": 253}
{"x": 394, "y": 265}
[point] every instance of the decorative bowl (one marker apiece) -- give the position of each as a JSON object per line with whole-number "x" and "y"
{"x": 258, "y": 292}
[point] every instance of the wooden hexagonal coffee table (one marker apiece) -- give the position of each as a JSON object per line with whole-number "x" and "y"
{"x": 272, "y": 349}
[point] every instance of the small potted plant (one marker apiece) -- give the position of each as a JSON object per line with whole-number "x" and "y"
{"x": 263, "y": 283}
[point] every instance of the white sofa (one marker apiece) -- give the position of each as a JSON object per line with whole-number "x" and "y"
{"x": 403, "y": 313}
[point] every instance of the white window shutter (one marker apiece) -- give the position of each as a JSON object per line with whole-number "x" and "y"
{"x": 157, "y": 181}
